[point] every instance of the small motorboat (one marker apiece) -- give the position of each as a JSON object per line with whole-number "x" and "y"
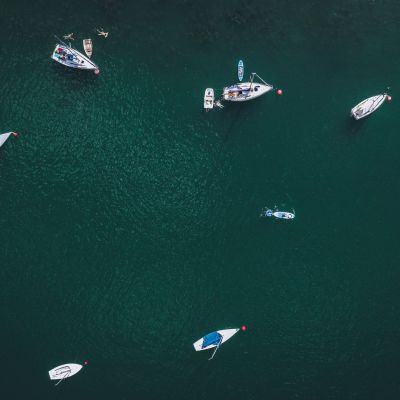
{"x": 240, "y": 70}
{"x": 247, "y": 90}
{"x": 277, "y": 214}
{"x": 368, "y": 106}
{"x": 208, "y": 99}
{"x": 88, "y": 47}
{"x": 72, "y": 58}
{"x": 214, "y": 340}
{"x": 64, "y": 371}
{"x": 5, "y": 136}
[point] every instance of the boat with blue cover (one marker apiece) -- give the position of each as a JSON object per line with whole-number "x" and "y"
{"x": 214, "y": 340}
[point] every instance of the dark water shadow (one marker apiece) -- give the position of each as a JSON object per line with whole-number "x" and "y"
{"x": 353, "y": 126}
{"x": 235, "y": 113}
{"x": 72, "y": 84}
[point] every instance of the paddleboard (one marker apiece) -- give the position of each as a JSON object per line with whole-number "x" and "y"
{"x": 240, "y": 70}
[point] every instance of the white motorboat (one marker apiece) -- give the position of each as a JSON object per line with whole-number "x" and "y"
{"x": 278, "y": 214}
{"x": 208, "y": 99}
{"x": 368, "y": 106}
{"x": 64, "y": 371}
{"x": 88, "y": 47}
{"x": 72, "y": 58}
{"x": 5, "y": 136}
{"x": 214, "y": 340}
{"x": 247, "y": 90}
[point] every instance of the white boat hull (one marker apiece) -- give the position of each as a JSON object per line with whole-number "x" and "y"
{"x": 225, "y": 333}
{"x": 209, "y": 98}
{"x": 245, "y": 91}
{"x": 72, "y": 58}
{"x": 64, "y": 371}
{"x": 4, "y": 137}
{"x": 88, "y": 47}
{"x": 368, "y": 106}
{"x": 283, "y": 215}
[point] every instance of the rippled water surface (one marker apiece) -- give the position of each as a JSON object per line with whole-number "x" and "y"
{"x": 129, "y": 219}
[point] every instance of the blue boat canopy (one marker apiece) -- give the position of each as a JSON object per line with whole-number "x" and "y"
{"x": 211, "y": 338}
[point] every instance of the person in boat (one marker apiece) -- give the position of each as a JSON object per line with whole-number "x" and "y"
{"x": 69, "y": 36}
{"x": 102, "y": 33}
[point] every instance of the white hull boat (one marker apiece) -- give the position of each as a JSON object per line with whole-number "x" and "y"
{"x": 64, "y": 371}
{"x": 368, "y": 106}
{"x": 278, "y": 214}
{"x": 72, "y": 58}
{"x": 4, "y": 137}
{"x": 88, "y": 47}
{"x": 209, "y": 99}
{"x": 214, "y": 340}
{"x": 247, "y": 90}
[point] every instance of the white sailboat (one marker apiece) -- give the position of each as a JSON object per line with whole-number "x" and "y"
{"x": 72, "y": 58}
{"x": 5, "y": 136}
{"x": 64, "y": 371}
{"x": 247, "y": 90}
{"x": 368, "y": 106}
{"x": 214, "y": 340}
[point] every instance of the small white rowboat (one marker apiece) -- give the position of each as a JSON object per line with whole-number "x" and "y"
{"x": 88, "y": 47}
{"x": 208, "y": 99}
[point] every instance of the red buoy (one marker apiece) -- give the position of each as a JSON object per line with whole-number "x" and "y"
{"x": 97, "y": 71}
{"x": 15, "y": 134}
{"x": 86, "y": 363}
{"x": 244, "y": 328}
{"x": 279, "y": 92}
{"x": 389, "y": 98}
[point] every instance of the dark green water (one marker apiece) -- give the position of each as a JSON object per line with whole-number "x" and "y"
{"x": 130, "y": 221}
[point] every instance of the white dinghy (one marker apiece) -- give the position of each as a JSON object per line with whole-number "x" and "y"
{"x": 214, "y": 340}
{"x": 64, "y": 371}
{"x": 5, "y": 136}
{"x": 247, "y": 90}
{"x": 209, "y": 99}
{"x": 278, "y": 214}
{"x": 72, "y": 58}
{"x": 368, "y": 106}
{"x": 88, "y": 47}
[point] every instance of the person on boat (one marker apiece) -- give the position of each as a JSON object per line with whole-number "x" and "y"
{"x": 69, "y": 36}
{"x": 102, "y": 33}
